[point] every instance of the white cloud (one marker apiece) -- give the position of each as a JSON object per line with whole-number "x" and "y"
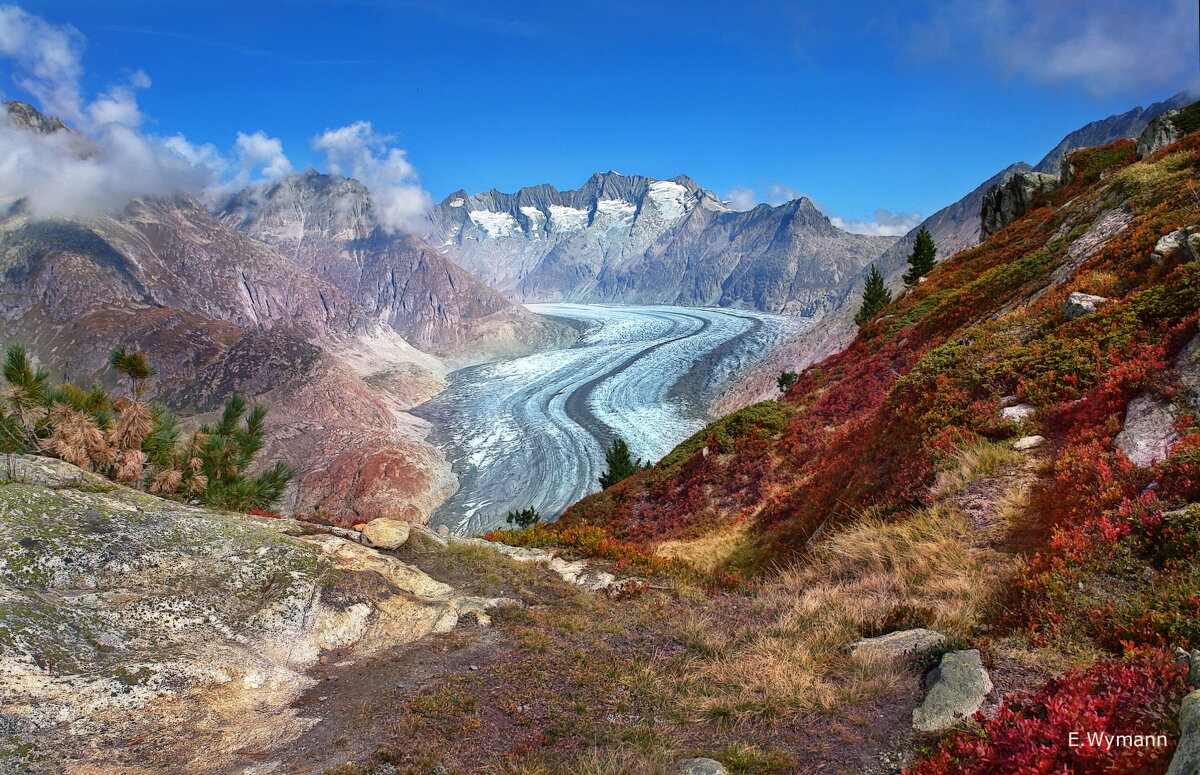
{"x": 46, "y": 58}
{"x": 358, "y": 151}
{"x": 64, "y": 173}
{"x": 742, "y": 198}
{"x": 886, "y": 224}
{"x": 259, "y": 153}
{"x": 1105, "y": 46}
{"x": 780, "y": 194}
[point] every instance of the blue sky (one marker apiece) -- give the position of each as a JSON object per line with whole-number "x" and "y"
{"x": 864, "y": 106}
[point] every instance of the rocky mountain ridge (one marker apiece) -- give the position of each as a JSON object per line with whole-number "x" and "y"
{"x": 632, "y": 239}
{"x": 325, "y": 225}
{"x": 322, "y": 333}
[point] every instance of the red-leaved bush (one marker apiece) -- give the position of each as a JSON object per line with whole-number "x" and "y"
{"x": 1046, "y": 732}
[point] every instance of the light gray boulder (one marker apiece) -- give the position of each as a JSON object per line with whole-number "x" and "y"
{"x": 1080, "y": 305}
{"x": 1149, "y": 430}
{"x": 1027, "y": 443}
{"x": 958, "y": 687}
{"x": 897, "y": 644}
{"x": 1186, "y": 760}
{"x": 1018, "y": 413}
{"x": 700, "y": 767}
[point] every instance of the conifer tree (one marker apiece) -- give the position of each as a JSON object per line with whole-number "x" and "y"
{"x": 876, "y": 296}
{"x": 921, "y": 260}
{"x": 786, "y": 380}
{"x": 620, "y": 464}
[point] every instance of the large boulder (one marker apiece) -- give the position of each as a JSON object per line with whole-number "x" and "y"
{"x": 897, "y": 644}
{"x": 1007, "y": 201}
{"x": 125, "y": 617}
{"x": 1149, "y": 430}
{"x": 384, "y": 533}
{"x": 958, "y": 687}
{"x": 1186, "y": 760}
{"x": 1082, "y": 304}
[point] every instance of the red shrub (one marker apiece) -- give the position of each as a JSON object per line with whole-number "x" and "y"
{"x": 1031, "y": 734}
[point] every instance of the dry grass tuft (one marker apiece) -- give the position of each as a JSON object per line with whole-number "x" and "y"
{"x": 708, "y": 552}
{"x": 972, "y": 462}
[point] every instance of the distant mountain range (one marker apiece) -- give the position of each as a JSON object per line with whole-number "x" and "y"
{"x": 295, "y": 297}
{"x": 631, "y": 239}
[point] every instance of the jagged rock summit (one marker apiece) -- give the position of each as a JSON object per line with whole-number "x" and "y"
{"x": 632, "y": 239}
{"x": 326, "y": 225}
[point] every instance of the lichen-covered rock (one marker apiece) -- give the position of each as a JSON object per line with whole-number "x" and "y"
{"x": 1018, "y": 413}
{"x": 1026, "y": 443}
{"x": 1149, "y": 430}
{"x": 1186, "y": 760}
{"x": 1082, "y": 304}
{"x": 123, "y": 615}
{"x": 386, "y": 533}
{"x": 959, "y": 687}
{"x": 897, "y": 644}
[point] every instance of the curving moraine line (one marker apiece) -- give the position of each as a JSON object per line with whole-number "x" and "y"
{"x": 530, "y": 431}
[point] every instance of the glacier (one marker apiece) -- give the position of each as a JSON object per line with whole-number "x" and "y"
{"x": 531, "y": 431}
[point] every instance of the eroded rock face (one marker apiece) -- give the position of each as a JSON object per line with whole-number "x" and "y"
{"x": 959, "y": 687}
{"x": 126, "y": 617}
{"x": 1149, "y": 430}
{"x": 1008, "y": 201}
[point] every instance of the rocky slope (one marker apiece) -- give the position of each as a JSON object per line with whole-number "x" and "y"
{"x": 954, "y": 228}
{"x": 140, "y": 635}
{"x": 325, "y": 226}
{"x": 631, "y": 239}
{"x": 1031, "y": 406}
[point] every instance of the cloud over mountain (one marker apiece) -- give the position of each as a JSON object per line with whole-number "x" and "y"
{"x": 113, "y": 160}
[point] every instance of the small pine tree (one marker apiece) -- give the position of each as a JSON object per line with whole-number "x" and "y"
{"x": 921, "y": 260}
{"x": 524, "y": 518}
{"x": 621, "y": 464}
{"x": 875, "y": 297}
{"x": 786, "y": 380}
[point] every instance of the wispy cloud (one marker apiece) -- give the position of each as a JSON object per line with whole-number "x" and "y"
{"x": 246, "y": 51}
{"x": 1105, "y": 46}
{"x": 885, "y": 224}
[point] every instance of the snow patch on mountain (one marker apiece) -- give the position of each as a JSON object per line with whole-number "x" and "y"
{"x": 535, "y": 216}
{"x": 617, "y": 212}
{"x": 495, "y": 224}
{"x": 567, "y": 218}
{"x": 669, "y": 197}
